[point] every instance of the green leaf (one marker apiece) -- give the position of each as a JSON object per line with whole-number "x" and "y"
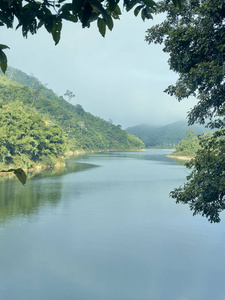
{"x": 112, "y": 4}
{"x": 150, "y": 3}
{"x": 177, "y": 3}
{"x": 147, "y": 13}
{"x": 131, "y": 5}
{"x": 117, "y": 10}
{"x": 65, "y": 13}
{"x": 71, "y": 18}
{"x": 40, "y": 24}
{"x": 21, "y": 175}
{"x": 101, "y": 26}
{"x": 77, "y": 5}
{"x": 87, "y": 13}
{"x": 3, "y": 46}
{"x": 56, "y": 30}
{"x": 3, "y": 61}
{"x": 66, "y": 8}
{"x": 109, "y": 22}
{"x": 99, "y": 9}
{"x": 137, "y": 10}
{"x": 143, "y": 14}
{"x": 49, "y": 23}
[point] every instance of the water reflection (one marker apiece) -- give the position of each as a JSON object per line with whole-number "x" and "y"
{"x": 42, "y": 188}
{"x": 153, "y": 155}
{"x": 110, "y": 233}
{"x": 72, "y": 166}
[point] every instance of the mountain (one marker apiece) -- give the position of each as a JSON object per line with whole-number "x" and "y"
{"x": 164, "y": 136}
{"x": 37, "y": 125}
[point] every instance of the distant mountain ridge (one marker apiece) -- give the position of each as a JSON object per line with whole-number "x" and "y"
{"x": 164, "y": 136}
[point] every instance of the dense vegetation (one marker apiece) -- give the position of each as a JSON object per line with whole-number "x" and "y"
{"x": 188, "y": 146}
{"x": 193, "y": 36}
{"x": 167, "y": 136}
{"x": 38, "y": 126}
{"x": 26, "y": 139}
{"x": 204, "y": 191}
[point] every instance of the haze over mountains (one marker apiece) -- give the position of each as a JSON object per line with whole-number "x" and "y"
{"x": 82, "y": 130}
{"x": 164, "y": 136}
{"x": 38, "y": 127}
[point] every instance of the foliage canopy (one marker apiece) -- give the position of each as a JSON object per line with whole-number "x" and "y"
{"x": 41, "y": 128}
{"x": 194, "y": 37}
{"x": 187, "y": 146}
{"x": 26, "y": 139}
{"x": 205, "y": 190}
{"x": 31, "y": 15}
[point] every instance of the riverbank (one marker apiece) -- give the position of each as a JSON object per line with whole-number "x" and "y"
{"x": 180, "y": 157}
{"x": 54, "y": 167}
{"x": 36, "y": 168}
{"x": 82, "y": 152}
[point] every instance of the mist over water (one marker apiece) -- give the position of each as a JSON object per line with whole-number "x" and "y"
{"x": 108, "y": 230}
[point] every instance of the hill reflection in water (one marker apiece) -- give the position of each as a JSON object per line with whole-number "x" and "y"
{"x": 17, "y": 200}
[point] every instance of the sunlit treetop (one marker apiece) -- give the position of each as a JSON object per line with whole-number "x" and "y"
{"x": 30, "y": 15}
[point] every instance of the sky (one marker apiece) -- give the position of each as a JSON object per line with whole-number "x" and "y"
{"x": 119, "y": 77}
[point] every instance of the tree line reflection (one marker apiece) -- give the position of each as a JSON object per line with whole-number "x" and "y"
{"x": 41, "y": 189}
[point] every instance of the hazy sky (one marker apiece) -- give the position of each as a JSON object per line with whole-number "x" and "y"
{"x": 119, "y": 77}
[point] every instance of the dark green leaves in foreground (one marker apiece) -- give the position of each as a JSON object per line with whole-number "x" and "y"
{"x": 31, "y": 15}
{"x": 178, "y": 3}
{"x": 193, "y": 36}
{"x": 194, "y": 39}
{"x": 20, "y": 174}
{"x": 205, "y": 190}
{"x": 3, "y": 58}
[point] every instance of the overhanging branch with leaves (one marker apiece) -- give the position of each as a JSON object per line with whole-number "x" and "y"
{"x": 31, "y": 15}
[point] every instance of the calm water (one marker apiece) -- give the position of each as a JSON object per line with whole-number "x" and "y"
{"x": 106, "y": 229}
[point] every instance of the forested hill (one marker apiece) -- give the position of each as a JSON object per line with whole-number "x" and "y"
{"x": 164, "y": 136}
{"x": 32, "y": 116}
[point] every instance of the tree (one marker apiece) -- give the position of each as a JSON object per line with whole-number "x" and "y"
{"x": 31, "y": 15}
{"x": 187, "y": 146}
{"x": 82, "y": 126}
{"x": 190, "y": 133}
{"x": 37, "y": 93}
{"x": 205, "y": 190}
{"x": 79, "y": 110}
{"x": 69, "y": 94}
{"x": 194, "y": 37}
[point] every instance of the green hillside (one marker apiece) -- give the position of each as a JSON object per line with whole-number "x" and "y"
{"x": 167, "y": 136}
{"x": 25, "y": 139}
{"x": 37, "y": 125}
{"x": 188, "y": 147}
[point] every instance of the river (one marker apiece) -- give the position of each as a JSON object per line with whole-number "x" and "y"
{"x": 106, "y": 229}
